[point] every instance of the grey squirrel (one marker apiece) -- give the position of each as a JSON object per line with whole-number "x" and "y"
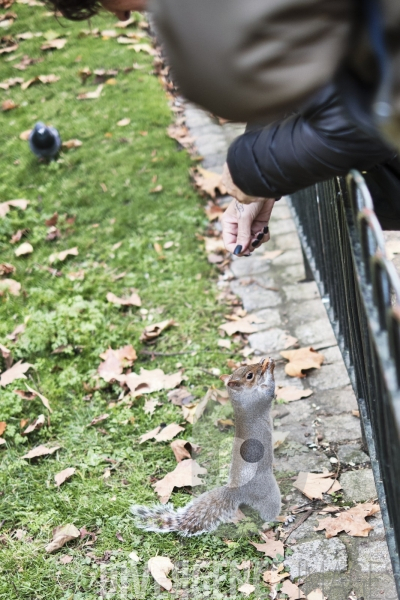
{"x": 251, "y": 481}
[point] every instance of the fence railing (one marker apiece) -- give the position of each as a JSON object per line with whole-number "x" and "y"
{"x": 345, "y": 251}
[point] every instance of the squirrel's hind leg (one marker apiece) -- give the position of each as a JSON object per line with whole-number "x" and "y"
{"x": 265, "y": 499}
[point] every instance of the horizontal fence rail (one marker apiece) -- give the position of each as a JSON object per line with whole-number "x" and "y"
{"x": 345, "y": 250}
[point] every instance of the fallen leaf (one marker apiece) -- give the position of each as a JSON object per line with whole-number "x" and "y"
{"x": 144, "y": 48}
{"x": 11, "y": 286}
{"x": 57, "y": 44}
{"x": 193, "y": 413}
{"x": 61, "y": 256}
{"x": 209, "y": 182}
{"x": 11, "y": 82}
{"x": 74, "y": 143}
{"x": 40, "y": 451}
{"x": 17, "y": 331}
{"x": 301, "y": 360}
{"x": 24, "y": 136}
{"x": 109, "y": 33}
{"x": 150, "y": 406}
{"x": 133, "y": 556}
{"x": 316, "y": 595}
{"x": 3, "y": 427}
{"x": 98, "y": 419}
{"x": 271, "y": 254}
{"x": 223, "y": 343}
{"x": 36, "y": 424}
{"x": 273, "y": 577}
{"x": 25, "y": 248}
{"x": 351, "y": 521}
{"x": 185, "y": 473}
{"x": 5, "y": 206}
{"x": 149, "y": 435}
{"x": 115, "y": 361}
{"x": 39, "y": 79}
{"x": 45, "y": 401}
{"x": 8, "y": 105}
{"x": 355, "y": 413}
{"x": 180, "y": 133}
{"x": 132, "y": 300}
{"x": 270, "y": 547}
{"x": 62, "y": 535}
{"x": 155, "y": 329}
{"x": 313, "y": 485}
{"x": 243, "y": 325}
{"x": 213, "y": 211}
{"x": 292, "y": 590}
{"x": 52, "y": 221}
{"x": 91, "y": 95}
{"x": 179, "y": 448}
{"x": 159, "y": 567}
{"x": 180, "y": 396}
{"x": 278, "y": 437}
{"x": 6, "y": 354}
{"x": 66, "y": 559}
{"x": 245, "y": 564}
{"x": 15, "y": 372}
{"x": 125, "y": 24}
{"x": 2, "y": 441}
{"x": 17, "y": 236}
{"x": 291, "y": 393}
{"x": 246, "y": 589}
{"x": 152, "y": 381}
{"x": 123, "y": 122}
{"x": 167, "y": 433}
{"x": 63, "y": 475}
{"x": 157, "y": 189}
{"x": 76, "y": 275}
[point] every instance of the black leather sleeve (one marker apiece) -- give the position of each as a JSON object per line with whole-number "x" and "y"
{"x": 302, "y": 149}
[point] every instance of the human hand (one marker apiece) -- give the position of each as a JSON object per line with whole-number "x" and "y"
{"x": 245, "y": 226}
{"x": 233, "y": 189}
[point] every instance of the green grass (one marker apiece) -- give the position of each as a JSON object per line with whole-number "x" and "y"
{"x": 58, "y": 311}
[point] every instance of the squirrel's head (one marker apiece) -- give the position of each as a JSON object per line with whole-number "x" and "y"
{"x": 252, "y": 383}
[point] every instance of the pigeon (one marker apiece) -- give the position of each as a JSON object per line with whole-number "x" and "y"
{"x": 44, "y": 141}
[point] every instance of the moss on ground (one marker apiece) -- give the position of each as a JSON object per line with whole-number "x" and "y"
{"x": 102, "y": 193}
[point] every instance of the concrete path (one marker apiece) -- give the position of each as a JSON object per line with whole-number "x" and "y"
{"x": 320, "y": 427}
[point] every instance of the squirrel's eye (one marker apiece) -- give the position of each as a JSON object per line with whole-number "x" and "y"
{"x": 249, "y": 376}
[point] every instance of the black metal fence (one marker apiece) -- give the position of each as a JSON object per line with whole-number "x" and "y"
{"x": 345, "y": 250}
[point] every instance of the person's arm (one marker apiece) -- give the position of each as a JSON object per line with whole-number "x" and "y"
{"x": 303, "y": 149}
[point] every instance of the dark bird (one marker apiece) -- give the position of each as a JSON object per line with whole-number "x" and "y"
{"x": 44, "y": 141}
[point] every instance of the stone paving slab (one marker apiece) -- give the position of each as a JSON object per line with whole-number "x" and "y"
{"x": 341, "y": 564}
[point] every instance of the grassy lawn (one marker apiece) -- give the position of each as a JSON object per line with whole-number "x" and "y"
{"x": 102, "y": 194}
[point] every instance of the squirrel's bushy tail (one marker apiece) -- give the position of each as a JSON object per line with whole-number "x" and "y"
{"x": 202, "y": 515}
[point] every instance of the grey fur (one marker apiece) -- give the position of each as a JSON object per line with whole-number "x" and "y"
{"x": 250, "y": 483}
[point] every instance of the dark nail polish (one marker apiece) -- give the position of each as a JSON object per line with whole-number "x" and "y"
{"x": 266, "y": 229}
{"x": 237, "y": 250}
{"x": 260, "y": 236}
{"x": 255, "y": 243}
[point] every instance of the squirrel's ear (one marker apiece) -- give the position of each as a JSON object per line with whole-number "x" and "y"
{"x": 224, "y": 378}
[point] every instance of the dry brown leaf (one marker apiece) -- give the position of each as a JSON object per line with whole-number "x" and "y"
{"x": 155, "y": 329}
{"x": 355, "y": 413}
{"x": 123, "y": 122}
{"x": 3, "y": 427}
{"x": 61, "y": 256}
{"x": 213, "y": 211}
{"x": 39, "y": 79}
{"x": 150, "y": 406}
{"x": 167, "y": 433}
{"x": 185, "y": 473}
{"x": 192, "y": 413}
{"x": 11, "y": 82}
{"x": 115, "y": 361}
{"x": 214, "y": 244}
{"x": 24, "y": 136}
{"x": 6, "y": 269}
{"x": 57, "y": 44}
{"x": 144, "y": 48}
{"x": 5, "y": 206}
{"x": 8, "y": 105}
{"x": 11, "y": 286}
{"x": 313, "y": 485}
{"x": 66, "y": 559}
{"x": 149, "y": 435}
{"x": 63, "y": 475}
{"x": 125, "y": 24}
{"x": 52, "y": 221}
{"x": 291, "y": 393}
{"x": 246, "y": 589}
{"x": 271, "y": 254}
{"x": 275, "y": 576}
{"x": 180, "y": 396}
{"x": 17, "y": 331}
{"x": 132, "y": 300}
{"x": 45, "y": 401}
{"x": 292, "y": 590}
{"x": 98, "y": 419}
{"x": 2, "y": 441}
{"x": 15, "y": 372}
{"x": 245, "y": 564}
{"x": 76, "y": 275}
{"x": 209, "y": 182}
{"x": 179, "y": 448}
{"x": 40, "y": 451}
{"x": 35, "y": 425}
{"x": 25, "y": 248}
{"x": 270, "y": 547}
{"x": 74, "y": 143}
{"x": 301, "y": 360}
{"x": 91, "y": 95}
{"x": 243, "y": 325}
{"x": 156, "y": 190}
{"x": 62, "y": 535}
{"x": 159, "y": 567}
{"x": 351, "y": 521}
{"x": 152, "y": 381}
{"x": 278, "y": 437}
{"x": 180, "y": 133}
{"x": 316, "y": 595}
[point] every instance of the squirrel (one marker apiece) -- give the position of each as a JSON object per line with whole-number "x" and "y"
{"x": 251, "y": 481}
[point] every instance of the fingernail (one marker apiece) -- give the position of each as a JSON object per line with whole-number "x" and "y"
{"x": 260, "y": 236}
{"x": 266, "y": 229}
{"x": 255, "y": 243}
{"x": 237, "y": 250}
